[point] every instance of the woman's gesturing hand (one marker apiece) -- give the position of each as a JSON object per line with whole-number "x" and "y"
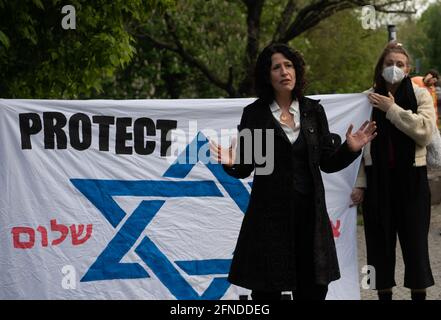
{"x": 226, "y": 156}
{"x": 359, "y": 139}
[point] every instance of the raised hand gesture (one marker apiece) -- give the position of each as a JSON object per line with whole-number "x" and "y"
{"x": 359, "y": 139}
{"x": 226, "y": 156}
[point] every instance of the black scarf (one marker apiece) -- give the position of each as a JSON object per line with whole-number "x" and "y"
{"x": 403, "y": 146}
{"x": 379, "y": 179}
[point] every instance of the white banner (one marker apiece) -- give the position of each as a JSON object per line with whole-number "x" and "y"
{"x": 91, "y": 207}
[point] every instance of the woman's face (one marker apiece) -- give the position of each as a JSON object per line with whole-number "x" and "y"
{"x": 397, "y": 59}
{"x": 283, "y": 74}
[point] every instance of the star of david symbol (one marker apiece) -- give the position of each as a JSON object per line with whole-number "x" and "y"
{"x": 107, "y": 266}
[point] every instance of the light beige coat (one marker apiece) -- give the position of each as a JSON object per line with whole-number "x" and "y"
{"x": 419, "y": 126}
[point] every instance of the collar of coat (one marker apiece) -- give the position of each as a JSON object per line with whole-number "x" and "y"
{"x": 306, "y": 106}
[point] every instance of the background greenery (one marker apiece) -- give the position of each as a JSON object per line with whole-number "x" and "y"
{"x": 197, "y": 48}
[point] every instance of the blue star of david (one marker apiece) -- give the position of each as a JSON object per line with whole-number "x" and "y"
{"x": 108, "y": 266}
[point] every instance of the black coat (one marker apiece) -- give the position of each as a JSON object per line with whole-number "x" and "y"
{"x": 258, "y": 263}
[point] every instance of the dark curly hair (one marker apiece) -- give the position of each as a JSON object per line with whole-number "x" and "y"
{"x": 263, "y": 87}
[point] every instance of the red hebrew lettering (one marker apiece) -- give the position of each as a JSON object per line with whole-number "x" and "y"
{"x": 336, "y": 229}
{"x": 43, "y": 232}
{"x": 16, "y": 231}
{"x": 76, "y": 234}
{"x": 64, "y": 230}
{"x": 80, "y": 234}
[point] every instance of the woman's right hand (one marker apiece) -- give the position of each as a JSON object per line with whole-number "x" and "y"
{"x": 226, "y": 156}
{"x": 357, "y": 196}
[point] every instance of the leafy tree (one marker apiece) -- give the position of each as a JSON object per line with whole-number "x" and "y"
{"x": 221, "y": 39}
{"x": 423, "y": 38}
{"x": 40, "y": 59}
{"x": 169, "y": 49}
{"x": 340, "y": 54}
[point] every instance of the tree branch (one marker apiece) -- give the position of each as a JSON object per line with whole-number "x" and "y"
{"x": 312, "y": 14}
{"x": 289, "y": 10}
{"x": 188, "y": 58}
{"x": 304, "y": 19}
{"x": 383, "y": 7}
{"x": 196, "y": 63}
{"x": 155, "y": 42}
{"x": 254, "y": 12}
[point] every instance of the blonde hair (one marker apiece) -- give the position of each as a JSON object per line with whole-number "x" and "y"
{"x": 391, "y": 47}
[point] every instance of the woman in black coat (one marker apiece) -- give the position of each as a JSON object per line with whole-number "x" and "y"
{"x": 286, "y": 241}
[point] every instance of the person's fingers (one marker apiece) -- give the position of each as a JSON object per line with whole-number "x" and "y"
{"x": 349, "y": 132}
{"x": 364, "y": 126}
{"x": 375, "y": 96}
{"x": 371, "y": 128}
{"x": 372, "y": 137}
{"x": 212, "y": 143}
{"x": 357, "y": 196}
{"x": 372, "y": 100}
{"x": 391, "y": 96}
{"x": 353, "y": 204}
{"x": 375, "y": 103}
{"x": 354, "y": 197}
{"x": 234, "y": 141}
{"x": 223, "y": 155}
{"x": 214, "y": 155}
{"x": 213, "y": 149}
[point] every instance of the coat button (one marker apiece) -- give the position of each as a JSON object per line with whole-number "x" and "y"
{"x": 311, "y": 130}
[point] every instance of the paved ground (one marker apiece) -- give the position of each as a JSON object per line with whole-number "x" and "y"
{"x": 401, "y": 293}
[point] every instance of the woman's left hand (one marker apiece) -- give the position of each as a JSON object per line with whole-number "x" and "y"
{"x": 359, "y": 139}
{"x": 381, "y": 102}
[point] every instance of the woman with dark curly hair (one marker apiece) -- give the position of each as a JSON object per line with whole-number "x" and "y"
{"x": 286, "y": 241}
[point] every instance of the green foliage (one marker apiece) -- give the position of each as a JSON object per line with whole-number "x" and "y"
{"x": 214, "y": 32}
{"x": 423, "y": 38}
{"x": 40, "y": 59}
{"x": 109, "y": 55}
{"x": 340, "y": 54}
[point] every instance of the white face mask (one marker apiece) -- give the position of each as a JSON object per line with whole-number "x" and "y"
{"x": 393, "y": 74}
